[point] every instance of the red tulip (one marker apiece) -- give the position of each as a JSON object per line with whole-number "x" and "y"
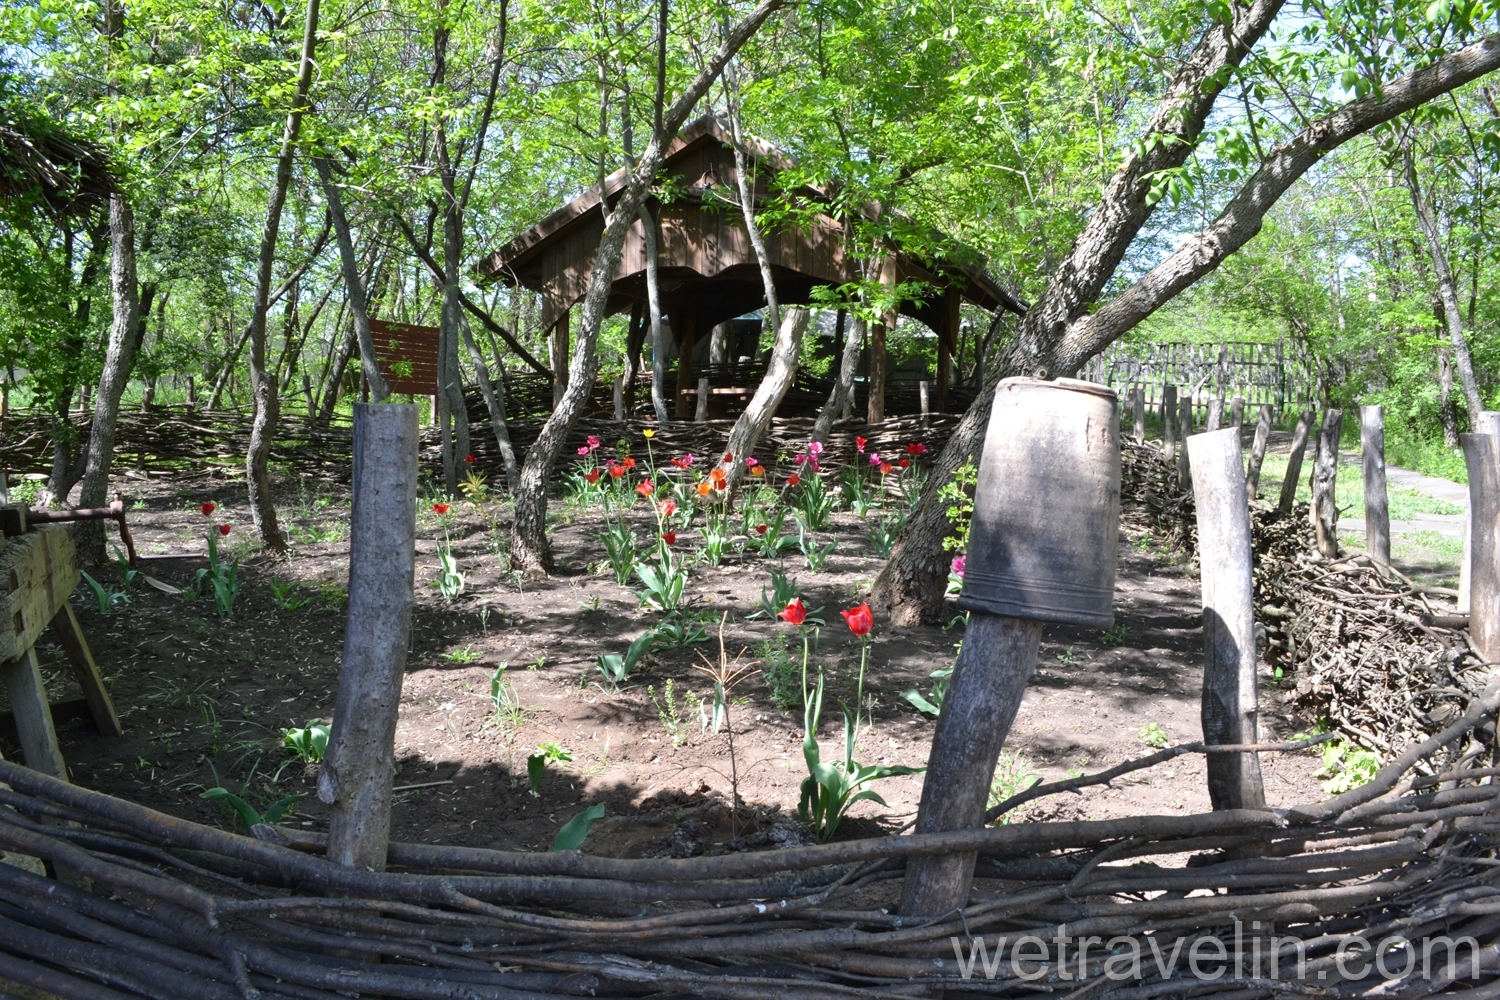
{"x": 470, "y": 459}
{"x": 629, "y": 462}
{"x": 728, "y": 457}
{"x": 670, "y": 537}
{"x": 860, "y": 620}
{"x": 860, "y": 443}
{"x": 437, "y": 508}
{"x": 645, "y": 488}
{"x": 793, "y": 480}
{"x": 794, "y": 613}
{"x": 668, "y": 508}
{"x": 885, "y": 468}
{"x": 616, "y": 471}
{"x": 592, "y": 476}
{"x": 209, "y": 508}
{"x": 916, "y": 448}
{"x": 760, "y": 529}
{"x": 904, "y": 463}
{"x": 717, "y": 475}
{"x": 703, "y": 489}
{"x": 224, "y": 529}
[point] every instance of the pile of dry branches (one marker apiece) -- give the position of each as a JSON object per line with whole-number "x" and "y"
{"x": 151, "y": 906}
{"x": 1151, "y": 499}
{"x": 1384, "y": 659}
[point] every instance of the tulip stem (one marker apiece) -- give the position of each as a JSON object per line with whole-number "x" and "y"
{"x": 859, "y": 692}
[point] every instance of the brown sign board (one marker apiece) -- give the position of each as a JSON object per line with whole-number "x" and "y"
{"x": 407, "y": 356}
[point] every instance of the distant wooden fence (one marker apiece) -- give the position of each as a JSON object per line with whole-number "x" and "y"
{"x": 1281, "y": 373}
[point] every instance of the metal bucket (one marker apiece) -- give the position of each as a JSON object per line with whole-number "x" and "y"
{"x": 1045, "y": 530}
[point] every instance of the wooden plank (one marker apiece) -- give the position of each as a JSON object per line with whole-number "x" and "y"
{"x": 28, "y": 705}
{"x": 407, "y": 345}
{"x": 70, "y": 637}
{"x": 38, "y": 571}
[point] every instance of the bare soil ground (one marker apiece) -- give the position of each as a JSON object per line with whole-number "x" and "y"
{"x": 204, "y": 700}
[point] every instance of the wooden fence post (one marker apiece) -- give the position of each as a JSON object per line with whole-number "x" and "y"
{"x": 1215, "y": 414}
{"x": 1258, "y": 451}
{"x": 619, "y": 390}
{"x": 356, "y": 774}
{"x": 1184, "y": 430}
{"x": 1294, "y": 462}
{"x": 1372, "y": 460}
{"x": 1487, "y": 423}
{"x": 1169, "y": 421}
{"x": 1237, "y": 412}
{"x": 1325, "y": 510}
{"x": 1029, "y": 562}
{"x": 1482, "y": 458}
{"x": 1229, "y": 683}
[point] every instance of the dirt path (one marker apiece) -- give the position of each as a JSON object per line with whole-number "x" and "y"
{"x": 203, "y": 700}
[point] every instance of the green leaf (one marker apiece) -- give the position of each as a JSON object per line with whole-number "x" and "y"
{"x": 536, "y": 767}
{"x": 573, "y": 832}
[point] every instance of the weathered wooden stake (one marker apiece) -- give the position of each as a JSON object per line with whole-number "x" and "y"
{"x": 1215, "y": 419}
{"x": 1482, "y": 458}
{"x": 356, "y": 774}
{"x": 1325, "y": 508}
{"x": 1237, "y": 412}
{"x": 1258, "y": 451}
{"x": 1184, "y": 431}
{"x": 619, "y": 390}
{"x": 1487, "y": 423}
{"x": 1229, "y": 683}
{"x": 1168, "y": 421}
{"x": 1377, "y": 507}
{"x": 922, "y": 398}
{"x": 1294, "y": 462}
{"x": 701, "y": 414}
{"x": 989, "y": 679}
{"x": 1042, "y": 548}
{"x": 32, "y": 714}
{"x": 1138, "y": 413}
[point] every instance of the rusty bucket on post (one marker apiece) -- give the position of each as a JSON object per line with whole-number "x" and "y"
{"x": 1045, "y": 529}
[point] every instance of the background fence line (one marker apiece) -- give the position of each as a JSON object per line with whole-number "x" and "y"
{"x": 1279, "y": 373}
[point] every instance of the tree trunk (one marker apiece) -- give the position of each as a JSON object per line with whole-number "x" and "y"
{"x": 1065, "y": 327}
{"x": 843, "y": 386}
{"x": 529, "y": 546}
{"x": 746, "y": 433}
{"x": 649, "y": 228}
{"x": 1325, "y": 509}
{"x": 330, "y": 398}
{"x": 1445, "y": 397}
{"x": 1447, "y": 290}
{"x": 262, "y": 383}
{"x": 354, "y": 286}
{"x": 635, "y": 338}
{"x": 123, "y": 290}
{"x": 493, "y": 403}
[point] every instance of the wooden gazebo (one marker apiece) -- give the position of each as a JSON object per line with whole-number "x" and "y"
{"x": 707, "y": 268}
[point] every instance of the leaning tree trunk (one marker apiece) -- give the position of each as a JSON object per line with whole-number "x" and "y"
{"x": 1445, "y": 397}
{"x": 746, "y": 433}
{"x": 1447, "y": 291}
{"x": 354, "y": 286}
{"x": 843, "y": 387}
{"x": 529, "y": 546}
{"x": 263, "y": 383}
{"x": 492, "y": 403}
{"x": 123, "y": 293}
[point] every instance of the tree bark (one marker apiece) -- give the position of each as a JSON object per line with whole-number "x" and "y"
{"x": 493, "y": 403}
{"x": 529, "y": 546}
{"x": 262, "y": 383}
{"x": 89, "y": 536}
{"x": 1059, "y": 334}
{"x": 1447, "y": 289}
{"x": 843, "y": 386}
{"x": 1258, "y": 451}
{"x": 1377, "y": 507}
{"x": 1445, "y": 397}
{"x": 354, "y": 286}
{"x": 746, "y": 433}
{"x": 453, "y": 408}
{"x": 650, "y": 229}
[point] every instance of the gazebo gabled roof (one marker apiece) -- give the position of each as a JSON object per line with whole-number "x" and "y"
{"x": 706, "y": 264}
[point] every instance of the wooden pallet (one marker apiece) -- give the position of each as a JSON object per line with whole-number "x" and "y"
{"x": 38, "y": 571}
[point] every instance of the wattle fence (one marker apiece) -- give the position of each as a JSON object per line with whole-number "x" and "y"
{"x": 1281, "y": 374}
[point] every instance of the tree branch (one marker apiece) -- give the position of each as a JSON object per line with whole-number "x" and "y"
{"x": 1241, "y": 219}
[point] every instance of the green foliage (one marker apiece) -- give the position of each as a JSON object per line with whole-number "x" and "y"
{"x": 221, "y": 577}
{"x": 246, "y": 814}
{"x": 669, "y": 714}
{"x": 287, "y": 596}
{"x": 663, "y": 582}
{"x": 105, "y": 597}
{"x": 575, "y": 830}
{"x": 623, "y": 550}
{"x": 1154, "y": 736}
{"x": 958, "y": 494}
{"x": 814, "y": 501}
{"x": 782, "y": 674}
{"x": 536, "y": 764}
{"x": 309, "y": 744}
{"x": 450, "y": 581}
{"x": 829, "y": 790}
{"x": 1013, "y": 775}
{"x": 617, "y": 667}
{"x": 784, "y": 590}
{"x": 1347, "y": 766}
{"x": 931, "y": 705}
